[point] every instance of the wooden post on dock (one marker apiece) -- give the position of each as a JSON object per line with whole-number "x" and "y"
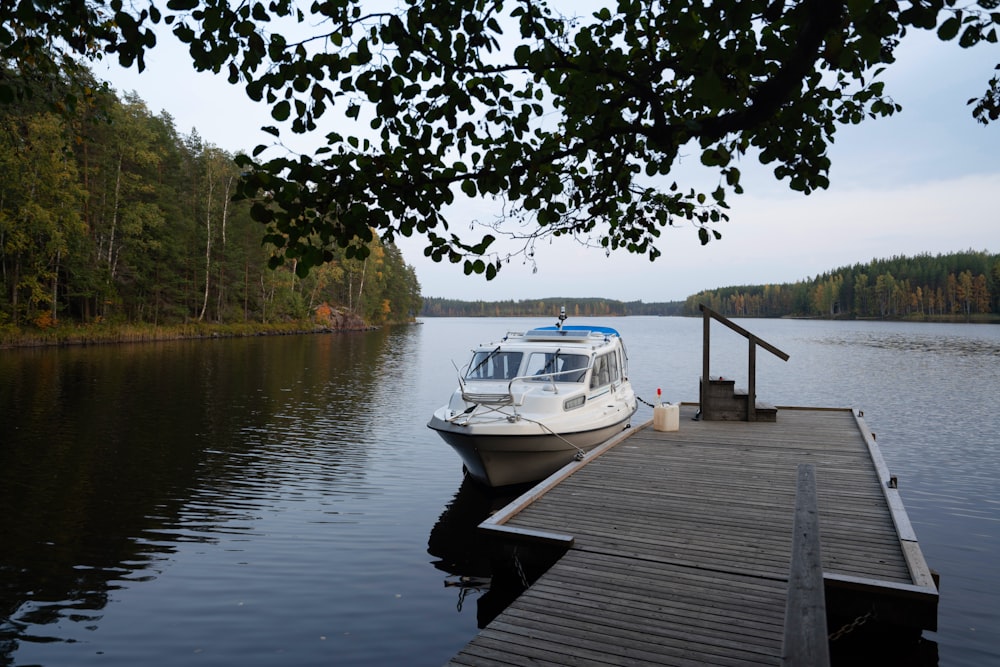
{"x": 805, "y": 642}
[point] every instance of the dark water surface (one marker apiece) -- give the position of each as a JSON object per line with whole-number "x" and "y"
{"x": 279, "y": 501}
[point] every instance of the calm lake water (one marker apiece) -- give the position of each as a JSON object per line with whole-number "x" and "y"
{"x": 280, "y": 501}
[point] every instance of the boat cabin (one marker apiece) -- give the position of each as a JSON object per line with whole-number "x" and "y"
{"x": 553, "y": 355}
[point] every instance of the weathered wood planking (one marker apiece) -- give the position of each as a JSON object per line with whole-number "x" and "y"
{"x": 680, "y": 544}
{"x": 723, "y": 492}
{"x": 805, "y": 640}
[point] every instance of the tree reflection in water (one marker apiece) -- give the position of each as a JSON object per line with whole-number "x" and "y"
{"x": 496, "y": 570}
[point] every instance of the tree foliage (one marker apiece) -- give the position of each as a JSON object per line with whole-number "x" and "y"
{"x": 547, "y": 307}
{"x": 108, "y": 214}
{"x": 955, "y": 286}
{"x": 569, "y": 124}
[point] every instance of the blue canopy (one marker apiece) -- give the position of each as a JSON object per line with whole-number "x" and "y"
{"x": 570, "y": 327}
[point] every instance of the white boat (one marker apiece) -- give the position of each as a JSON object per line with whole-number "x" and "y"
{"x": 529, "y": 404}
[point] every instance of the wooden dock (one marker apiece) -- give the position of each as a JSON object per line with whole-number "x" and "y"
{"x": 679, "y": 545}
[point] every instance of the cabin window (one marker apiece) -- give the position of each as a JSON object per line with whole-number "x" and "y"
{"x": 559, "y": 366}
{"x": 606, "y": 370}
{"x": 494, "y": 366}
{"x": 616, "y": 367}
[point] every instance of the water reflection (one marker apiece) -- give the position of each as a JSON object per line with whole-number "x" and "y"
{"x": 114, "y": 459}
{"x": 495, "y": 571}
{"x": 459, "y": 549}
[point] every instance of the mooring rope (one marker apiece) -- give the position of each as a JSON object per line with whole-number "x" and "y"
{"x": 644, "y": 401}
{"x": 579, "y": 452}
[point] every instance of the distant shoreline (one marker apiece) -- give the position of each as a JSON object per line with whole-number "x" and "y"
{"x": 979, "y": 318}
{"x": 105, "y": 334}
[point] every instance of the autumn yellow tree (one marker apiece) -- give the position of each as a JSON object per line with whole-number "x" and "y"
{"x": 40, "y": 223}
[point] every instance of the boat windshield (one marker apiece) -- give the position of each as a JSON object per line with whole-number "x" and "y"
{"x": 560, "y": 366}
{"x": 494, "y": 365}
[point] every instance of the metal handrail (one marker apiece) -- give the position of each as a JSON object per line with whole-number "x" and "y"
{"x": 707, "y": 316}
{"x": 549, "y": 377}
{"x": 508, "y": 398}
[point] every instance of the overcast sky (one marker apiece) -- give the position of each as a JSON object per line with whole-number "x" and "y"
{"x": 924, "y": 181}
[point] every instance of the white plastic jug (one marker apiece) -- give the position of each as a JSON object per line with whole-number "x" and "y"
{"x": 666, "y": 417}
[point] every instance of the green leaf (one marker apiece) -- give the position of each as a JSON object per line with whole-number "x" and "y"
{"x": 481, "y": 247}
{"x": 184, "y": 33}
{"x": 970, "y": 36}
{"x": 949, "y": 28}
{"x": 281, "y": 111}
{"x": 732, "y": 176}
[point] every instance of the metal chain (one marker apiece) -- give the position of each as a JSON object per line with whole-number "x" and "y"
{"x": 520, "y": 570}
{"x": 644, "y": 402}
{"x": 852, "y": 626}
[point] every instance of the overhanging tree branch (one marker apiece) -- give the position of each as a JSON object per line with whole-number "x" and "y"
{"x": 571, "y": 122}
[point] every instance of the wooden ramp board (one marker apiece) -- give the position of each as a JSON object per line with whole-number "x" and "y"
{"x": 681, "y": 544}
{"x": 594, "y": 609}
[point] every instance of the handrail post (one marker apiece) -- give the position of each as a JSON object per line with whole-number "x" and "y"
{"x": 707, "y": 315}
{"x": 705, "y": 347}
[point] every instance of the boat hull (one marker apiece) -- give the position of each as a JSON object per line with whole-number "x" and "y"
{"x": 497, "y": 460}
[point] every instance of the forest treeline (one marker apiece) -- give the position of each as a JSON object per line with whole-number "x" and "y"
{"x": 589, "y": 307}
{"x": 108, "y": 214}
{"x": 957, "y": 286}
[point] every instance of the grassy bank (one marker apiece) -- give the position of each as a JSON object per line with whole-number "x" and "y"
{"x": 99, "y": 334}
